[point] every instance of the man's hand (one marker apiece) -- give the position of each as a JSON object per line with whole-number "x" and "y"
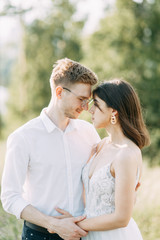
{"x": 67, "y": 229}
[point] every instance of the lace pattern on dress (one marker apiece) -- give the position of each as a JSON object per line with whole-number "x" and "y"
{"x": 100, "y": 191}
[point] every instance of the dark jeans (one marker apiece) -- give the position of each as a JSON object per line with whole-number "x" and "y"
{"x": 30, "y": 234}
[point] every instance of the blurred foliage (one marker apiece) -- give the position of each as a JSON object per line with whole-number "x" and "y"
{"x": 43, "y": 43}
{"x": 10, "y": 228}
{"x": 127, "y": 45}
{"x": 9, "y": 9}
{"x": 147, "y": 222}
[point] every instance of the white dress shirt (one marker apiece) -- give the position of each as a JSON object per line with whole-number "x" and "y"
{"x": 43, "y": 166}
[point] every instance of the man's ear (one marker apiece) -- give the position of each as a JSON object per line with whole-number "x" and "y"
{"x": 59, "y": 90}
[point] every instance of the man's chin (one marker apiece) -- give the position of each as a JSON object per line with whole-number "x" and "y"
{"x": 71, "y": 116}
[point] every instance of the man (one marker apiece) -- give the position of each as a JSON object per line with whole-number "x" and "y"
{"x": 46, "y": 155}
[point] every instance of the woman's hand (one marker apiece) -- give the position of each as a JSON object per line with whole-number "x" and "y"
{"x": 64, "y": 213}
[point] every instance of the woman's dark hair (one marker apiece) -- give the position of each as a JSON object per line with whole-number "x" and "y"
{"x": 120, "y": 95}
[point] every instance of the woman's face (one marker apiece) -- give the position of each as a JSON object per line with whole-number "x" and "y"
{"x": 101, "y": 114}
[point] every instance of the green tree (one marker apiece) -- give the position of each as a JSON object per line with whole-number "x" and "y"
{"x": 43, "y": 42}
{"x": 7, "y": 57}
{"x": 127, "y": 45}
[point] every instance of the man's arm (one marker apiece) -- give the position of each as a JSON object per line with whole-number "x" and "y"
{"x": 14, "y": 174}
{"x": 66, "y": 228}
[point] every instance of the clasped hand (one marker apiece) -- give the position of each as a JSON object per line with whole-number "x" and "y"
{"x": 67, "y": 227}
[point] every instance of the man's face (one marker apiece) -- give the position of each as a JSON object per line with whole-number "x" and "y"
{"x": 74, "y": 99}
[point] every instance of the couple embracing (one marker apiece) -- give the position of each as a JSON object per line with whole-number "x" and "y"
{"x": 54, "y": 158}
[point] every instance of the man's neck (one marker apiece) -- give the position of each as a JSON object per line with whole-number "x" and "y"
{"x": 57, "y": 117}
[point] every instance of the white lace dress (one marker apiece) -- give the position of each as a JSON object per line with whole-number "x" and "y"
{"x": 100, "y": 199}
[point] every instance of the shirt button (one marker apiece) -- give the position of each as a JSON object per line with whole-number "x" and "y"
{"x": 31, "y": 234}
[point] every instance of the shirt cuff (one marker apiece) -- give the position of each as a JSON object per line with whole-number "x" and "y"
{"x": 18, "y": 207}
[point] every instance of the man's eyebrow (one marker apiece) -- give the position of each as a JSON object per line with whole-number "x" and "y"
{"x": 83, "y": 97}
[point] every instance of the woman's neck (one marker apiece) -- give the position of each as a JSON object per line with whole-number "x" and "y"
{"x": 116, "y": 135}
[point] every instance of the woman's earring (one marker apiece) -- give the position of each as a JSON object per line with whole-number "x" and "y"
{"x": 113, "y": 119}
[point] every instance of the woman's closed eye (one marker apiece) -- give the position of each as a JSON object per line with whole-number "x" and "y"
{"x": 96, "y": 105}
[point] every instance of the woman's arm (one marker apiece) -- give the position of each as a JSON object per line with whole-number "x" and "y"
{"x": 125, "y": 169}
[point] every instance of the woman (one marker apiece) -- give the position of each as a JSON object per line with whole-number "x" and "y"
{"x": 113, "y": 172}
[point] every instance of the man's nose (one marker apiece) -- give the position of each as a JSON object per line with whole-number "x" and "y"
{"x": 85, "y": 106}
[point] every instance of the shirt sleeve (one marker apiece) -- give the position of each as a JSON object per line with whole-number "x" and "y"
{"x": 14, "y": 174}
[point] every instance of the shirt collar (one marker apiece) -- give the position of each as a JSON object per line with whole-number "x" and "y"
{"x": 50, "y": 126}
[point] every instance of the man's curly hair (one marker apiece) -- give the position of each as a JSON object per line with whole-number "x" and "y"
{"x": 66, "y": 71}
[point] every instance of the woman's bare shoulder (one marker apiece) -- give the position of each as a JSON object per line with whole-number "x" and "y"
{"x": 130, "y": 154}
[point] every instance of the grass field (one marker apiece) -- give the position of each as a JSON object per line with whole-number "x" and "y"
{"x": 146, "y": 212}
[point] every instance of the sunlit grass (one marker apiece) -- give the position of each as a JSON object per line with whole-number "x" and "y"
{"x": 10, "y": 227}
{"x": 148, "y": 221}
{"x": 147, "y": 208}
